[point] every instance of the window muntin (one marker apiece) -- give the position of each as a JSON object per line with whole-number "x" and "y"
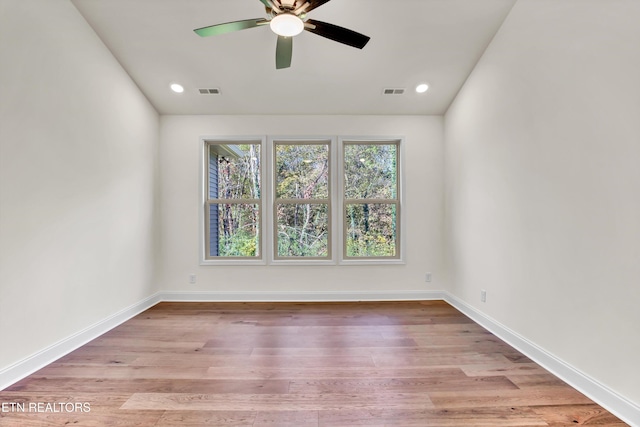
{"x": 302, "y": 200}
{"x": 371, "y": 203}
{"x": 233, "y": 200}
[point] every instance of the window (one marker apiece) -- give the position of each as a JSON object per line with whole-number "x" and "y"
{"x": 232, "y": 208}
{"x": 302, "y": 202}
{"x": 371, "y": 203}
{"x": 326, "y": 201}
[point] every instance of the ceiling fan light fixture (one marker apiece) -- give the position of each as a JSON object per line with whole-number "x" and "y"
{"x": 287, "y": 25}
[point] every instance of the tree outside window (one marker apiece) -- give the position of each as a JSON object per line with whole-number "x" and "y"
{"x": 318, "y": 211}
{"x": 233, "y": 207}
{"x": 302, "y": 200}
{"x": 371, "y": 203}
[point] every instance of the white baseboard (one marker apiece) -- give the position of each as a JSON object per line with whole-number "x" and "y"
{"x": 311, "y": 296}
{"x": 39, "y": 360}
{"x": 596, "y": 391}
{"x": 626, "y": 410}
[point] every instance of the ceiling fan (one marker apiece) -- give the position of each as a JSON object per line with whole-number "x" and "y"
{"x": 288, "y": 18}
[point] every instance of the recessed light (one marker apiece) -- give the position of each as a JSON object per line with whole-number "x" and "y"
{"x": 422, "y": 88}
{"x": 177, "y": 88}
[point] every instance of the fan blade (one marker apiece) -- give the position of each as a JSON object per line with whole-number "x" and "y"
{"x": 338, "y": 34}
{"x": 284, "y": 51}
{"x": 316, "y": 3}
{"x": 229, "y": 27}
{"x": 266, "y": 3}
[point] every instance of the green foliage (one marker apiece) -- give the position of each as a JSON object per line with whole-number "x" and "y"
{"x": 372, "y": 245}
{"x": 303, "y": 230}
{"x": 294, "y": 243}
{"x": 240, "y": 244}
{"x": 302, "y": 193}
{"x": 370, "y": 174}
{"x": 302, "y": 171}
{"x": 234, "y": 175}
{"x": 371, "y": 230}
{"x": 370, "y": 171}
{"x": 238, "y": 174}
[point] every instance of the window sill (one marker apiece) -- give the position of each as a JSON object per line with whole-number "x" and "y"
{"x": 301, "y": 262}
{"x": 373, "y": 261}
{"x": 237, "y": 262}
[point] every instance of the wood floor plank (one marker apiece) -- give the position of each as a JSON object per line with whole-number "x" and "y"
{"x": 406, "y": 385}
{"x": 466, "y": 331}
{"x": 536, "y": 380}
{"x": 491, "y": 398}
{"x": 485, "y": 417}
{"x": 125, "y": 351}
{"x": 116, "y": 344}
{"x": 275, "y": 402}
{"x": 304, "y": 365}
{"x": 587, "y": 414}
{"x": 255, "y": 361}
{"x": 207, "y": 418}
{"x": 297, "y": 341}
{"x": 489, "y": 369}
{"x": 70, "y": 385}
{"x": 453, "y": 339}
{"x": 440, "y": 360}
{"x": 377, "y": 351}
{"x": 129, "y": 372}
{"x": 77, "y": 358}
{"x": 297, "y": 373}
{"x": 287, "y": 419}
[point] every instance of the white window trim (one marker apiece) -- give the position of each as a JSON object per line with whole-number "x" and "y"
{"x": 342, "y": 260}
{"x": 203, "y": 197}
{"x": 336, "y": 181}
{"x": 333, "y": 218}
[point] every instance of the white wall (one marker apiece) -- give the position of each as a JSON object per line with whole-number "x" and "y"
{"x": 543, "y": 184}
{"x": 180, "y": 157}
{"x": 78, "y": 166}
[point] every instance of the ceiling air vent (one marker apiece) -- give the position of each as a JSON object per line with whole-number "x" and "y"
{"x": 393, "y": 91}
{"x": 213, "y": 91}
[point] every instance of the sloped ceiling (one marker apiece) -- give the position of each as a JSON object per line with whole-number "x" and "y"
{"x": 412, "y": 41}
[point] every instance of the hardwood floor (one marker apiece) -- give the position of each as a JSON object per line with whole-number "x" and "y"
{"x": 297, "y": 364}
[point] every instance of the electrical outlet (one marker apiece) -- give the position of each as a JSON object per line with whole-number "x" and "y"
{"x": 192, "y": 279}
{"x": 483, "y": 295}
{"x": 427, "y": 277}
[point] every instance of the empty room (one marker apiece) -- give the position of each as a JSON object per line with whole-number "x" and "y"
{"x": 319, "y": 213}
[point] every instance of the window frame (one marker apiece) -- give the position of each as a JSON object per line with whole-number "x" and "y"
{"x": 337, "y": 202}
{"x": 205, "y": 202}
{"x": 398, "y": 201}
{"x": 331, "y": 142}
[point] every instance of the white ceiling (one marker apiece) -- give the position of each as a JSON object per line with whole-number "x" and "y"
{"x": 412, "y": 41}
